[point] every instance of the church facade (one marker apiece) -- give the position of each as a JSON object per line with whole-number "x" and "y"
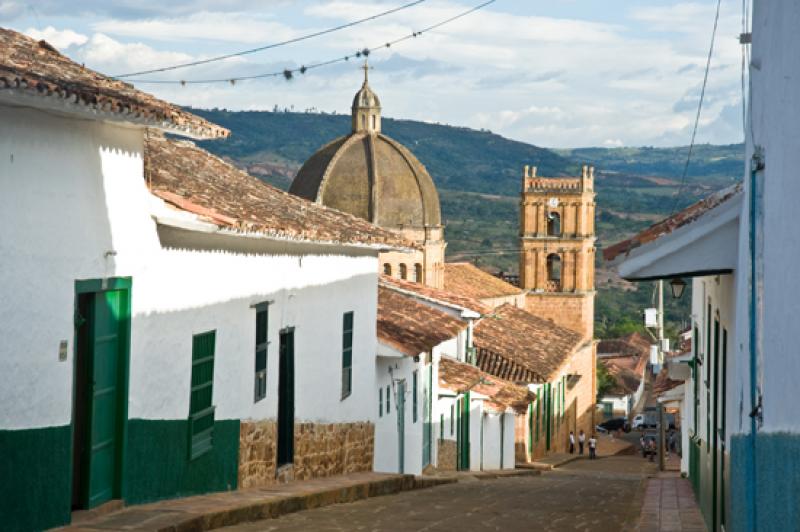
{"x": 558, "y": 253}
{"x": 374, "y": 177}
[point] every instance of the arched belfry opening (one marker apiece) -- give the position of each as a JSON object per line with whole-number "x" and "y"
{"x": 553, "y": 224}
{"x": 554, "y": 272}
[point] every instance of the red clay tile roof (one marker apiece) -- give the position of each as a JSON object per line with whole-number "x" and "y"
{"x": 461, "y": 377}
{"x": 467, "y": 279}
{"x": 631, "y": 351}
{"x": 436, "y": 295}
{"x": 627, "y": 380}
{"x": 663, "y": 383}
{"x": 668, "y": 225}
{"x": 36, "y": 68}
{"x": 193, "y": 180}
{"x": 412, "y": 327}
{"x": 523, "y": 341}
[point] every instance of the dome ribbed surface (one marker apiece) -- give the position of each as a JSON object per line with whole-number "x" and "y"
{"x": 371, "y": 176}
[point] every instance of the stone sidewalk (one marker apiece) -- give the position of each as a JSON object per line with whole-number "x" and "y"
{"x": 207, "y": 512}
{"x": 669, "y": 505}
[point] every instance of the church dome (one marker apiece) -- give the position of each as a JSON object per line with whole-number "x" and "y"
{"x": 370, "y": 175}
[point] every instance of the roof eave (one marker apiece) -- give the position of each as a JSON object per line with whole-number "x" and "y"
{"x": 706, "y": 246}
{"x": 74, "y": 107}
{"x": 201, "y": 227}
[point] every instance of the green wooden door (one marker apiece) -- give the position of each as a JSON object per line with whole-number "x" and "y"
{"x": 105, "y": 366}
{"x": 286, "y": 398}
{"x": 462, "y": 435}
{"x": 400, "y": 403}
{"x": 427, "y": 386}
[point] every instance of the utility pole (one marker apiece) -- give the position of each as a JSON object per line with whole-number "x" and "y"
{"x": 661, "y": 322}
{"x": 661, "y": 438}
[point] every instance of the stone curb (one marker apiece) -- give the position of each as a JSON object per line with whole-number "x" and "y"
{"x": 271, "y": 506}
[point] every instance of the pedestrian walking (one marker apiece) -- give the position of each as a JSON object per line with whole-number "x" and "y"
{"x": 593, "y": 447}
{"x": 581, "y": 440}
{"x": 571, "y": 442}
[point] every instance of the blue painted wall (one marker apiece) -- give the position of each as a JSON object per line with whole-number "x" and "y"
{"x": 777, "y": 503}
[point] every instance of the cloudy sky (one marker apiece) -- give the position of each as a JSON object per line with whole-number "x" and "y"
{"x": 556, "y": 73}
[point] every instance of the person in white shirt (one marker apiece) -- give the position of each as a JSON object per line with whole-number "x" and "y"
{"x": 581, "y": 441}
{"x": 592, "y": 447}
{"x": 571, "y": 442}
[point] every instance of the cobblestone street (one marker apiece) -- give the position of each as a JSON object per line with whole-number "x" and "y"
{"x": 602, "y": 495}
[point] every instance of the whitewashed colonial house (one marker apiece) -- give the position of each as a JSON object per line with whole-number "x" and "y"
{"x": 412, "y": 337}
{"x": 740, "y": 247}
{"x": 468, "y": 416}
{"x": 171, "y": 325}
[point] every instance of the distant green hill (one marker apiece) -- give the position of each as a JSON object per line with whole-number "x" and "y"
{"x": 478, "y": 174}
{"x": 457, "y": 158}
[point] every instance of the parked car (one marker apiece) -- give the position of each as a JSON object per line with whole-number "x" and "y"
{"x": 614, "y": 424}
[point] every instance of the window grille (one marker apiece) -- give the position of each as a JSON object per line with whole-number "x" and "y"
{"x": 347, "y": 354}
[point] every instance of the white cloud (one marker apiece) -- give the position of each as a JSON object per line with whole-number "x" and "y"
{"x": 109, "y": 56}
{"x": 61, "y": 39}
{"x": 204, "y": 26}
{"x": 552, "y": 81}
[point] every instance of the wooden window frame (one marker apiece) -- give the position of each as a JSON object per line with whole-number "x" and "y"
{"x": 261, "y": 348}
{"x": 201, "y": 435}
{"x": 348, "y": 326}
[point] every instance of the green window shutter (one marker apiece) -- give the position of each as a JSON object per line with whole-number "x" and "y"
{"x": 441, "y": 426}
{"x": 262, "y": 322}
{"x": 201, "y": 410}
{"x": 380, "y": 402}
{"x": 414, "y": 397}
{"x": 347, "y": 355}
{"x": 388, "y": 400}
{"x": 538, "y": 411}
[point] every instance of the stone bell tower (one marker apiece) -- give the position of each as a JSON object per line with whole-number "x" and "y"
{"x": 557, "y": 243}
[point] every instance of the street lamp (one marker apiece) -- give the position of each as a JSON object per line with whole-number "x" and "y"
{"x": 677, "y": 285}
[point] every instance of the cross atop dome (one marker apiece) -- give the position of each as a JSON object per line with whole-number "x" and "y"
{"x": 366, "y": 108}
{"x": 366, "y": 68}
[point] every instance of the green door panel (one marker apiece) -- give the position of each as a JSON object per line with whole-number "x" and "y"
{"x": 401, "y": 425}
{"x": 105, "y": 371}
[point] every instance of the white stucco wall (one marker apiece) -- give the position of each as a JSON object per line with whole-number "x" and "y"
{"x": 475, "y": 427}
{"x": 54, "y": 229}
{"x": 386, "y": 426}
{"x": 775, "y": 126}
{"x": 74, "y": 205}
{"x": 719, "y": 292}
{"x": 491, "y": 440}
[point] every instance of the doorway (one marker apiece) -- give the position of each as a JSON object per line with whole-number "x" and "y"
{"x": 100, "y": 408}
{"x": 286, "y": 398}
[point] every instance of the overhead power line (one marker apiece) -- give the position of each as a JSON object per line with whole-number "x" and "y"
{"x": 699, "y": 109}
{"x": 273, "y": 45}
{"x": 289, "y": 73}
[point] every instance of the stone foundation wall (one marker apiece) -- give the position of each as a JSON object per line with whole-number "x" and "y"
{"x": 446, "y": 455}
{"x": 257, "y": 453}
{"x": 575, "y": 312}
{"x": 320, "y": 450}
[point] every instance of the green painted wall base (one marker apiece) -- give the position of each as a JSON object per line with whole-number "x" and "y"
{"x": 35, "y": 469}
{"x": 35, "y": 491}
{"x": 158, "y": 465}
{"x": 777, "y": 503}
